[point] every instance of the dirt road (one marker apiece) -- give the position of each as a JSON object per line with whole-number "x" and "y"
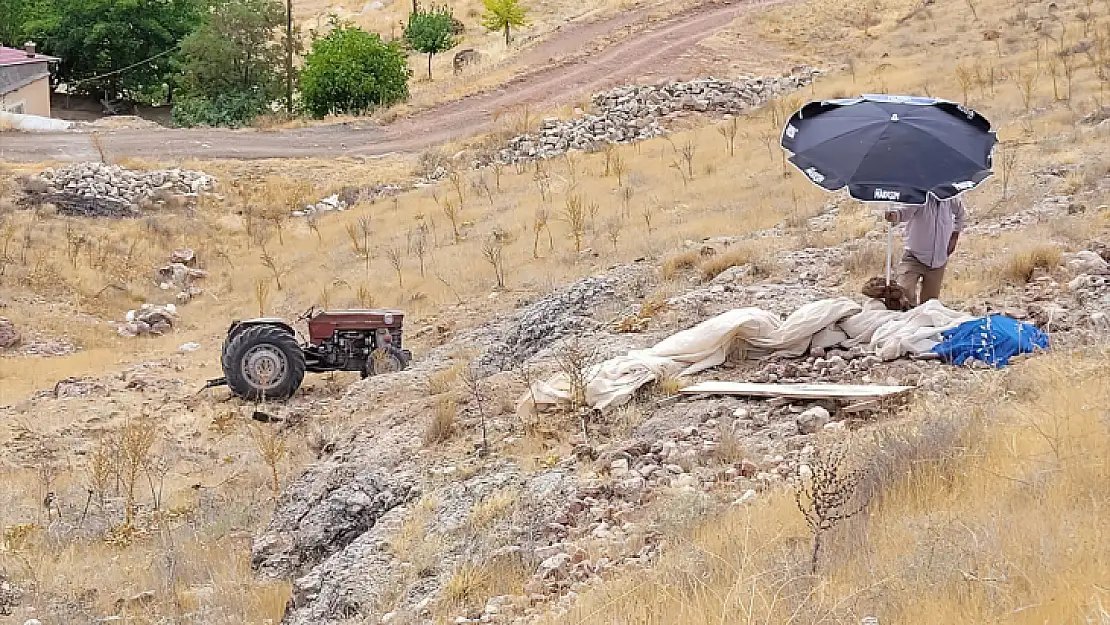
{"x": 543, "y": 87}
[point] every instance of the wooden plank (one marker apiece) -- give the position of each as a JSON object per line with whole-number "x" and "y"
{"x": 795, "y": 391}
{"x": 867, "y": 404}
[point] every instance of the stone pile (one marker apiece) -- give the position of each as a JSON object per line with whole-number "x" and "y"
{"x": 180, "y": 275}
{"x": 99, "y": 190}
{"x": 637, "y": 112}
{"x": 9, "y": 336}
{"x": 349, "y": 196}
{"x": 149, "y": 319}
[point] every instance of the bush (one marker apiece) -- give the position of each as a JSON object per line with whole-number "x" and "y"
{"x": 232, "y": 110}
{"x": 353, "y": 71}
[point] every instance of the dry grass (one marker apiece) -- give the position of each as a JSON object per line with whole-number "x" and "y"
{"x": 675, "y": 264}
{"x": 869, "y": 259}
{"x": 490, "y": 510}
{"x": 415, "y": 544}
{"x": 1020, "y": 266}
{"x": 444, "y": 381}
{"x": 472, "y": 583}
{"x": 670, "y": 385}
{"x": 442, "y": 426}
{"x": 995, "y": 517}
{"x": 918, "y": 564}
{"x": 716, "y": 264}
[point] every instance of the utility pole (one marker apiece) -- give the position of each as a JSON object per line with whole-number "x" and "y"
{"x": 289, "y": 56}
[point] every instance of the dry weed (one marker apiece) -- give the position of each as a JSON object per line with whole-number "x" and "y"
{"x": 1021, "y": 266}
{"x": 442, "y": 427}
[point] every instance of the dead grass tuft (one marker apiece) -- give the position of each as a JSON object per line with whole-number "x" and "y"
{"x": 717, "y": 264}
{"x": 491, "y": 509}
{"x": 675, "y": 264}
{"x": 443, "y": 426}
{"x": 869, "y": 259}
{"x": 1021, "y": 266}
{"x": 443, "y": 381}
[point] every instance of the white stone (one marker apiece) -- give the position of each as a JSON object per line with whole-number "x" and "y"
{"x": 748, "y": 497}
{"x": 619, "y": 467}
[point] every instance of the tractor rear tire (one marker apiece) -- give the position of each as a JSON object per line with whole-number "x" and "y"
{"x": 263, "y": 362}
{"x": 386, "y": 359}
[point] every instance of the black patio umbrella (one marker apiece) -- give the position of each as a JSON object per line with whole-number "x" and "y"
{"x": 890, "y": 148}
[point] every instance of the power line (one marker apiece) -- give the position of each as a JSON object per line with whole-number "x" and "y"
{"x": 132, "y": 66}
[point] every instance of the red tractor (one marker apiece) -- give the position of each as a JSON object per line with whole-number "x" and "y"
{"x": 263, "y": 359}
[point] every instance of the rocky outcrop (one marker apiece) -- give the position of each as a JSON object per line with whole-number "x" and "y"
{"x": 321, "y": 513}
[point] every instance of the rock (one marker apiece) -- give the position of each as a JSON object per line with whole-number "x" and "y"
{"x": 619, "y": 468}
{"x": 149, "y": 319}
{"x": 188, "y": 347}
{"x": 812, "y": 420}
{"x": 685, "y": 480}
{"x": 10, "y": 596}
{"x": 747, "y": 468}
{"x": 556, "y": 566}
{"x": 748, "y": 497}
{"x": 9, "y": 336}
{"x": 184, "y": 256}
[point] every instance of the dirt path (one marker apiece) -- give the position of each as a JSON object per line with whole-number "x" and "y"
{"x": 544, "y": 87}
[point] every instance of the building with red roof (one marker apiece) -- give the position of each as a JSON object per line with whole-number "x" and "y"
{"x": 25, "y": 81}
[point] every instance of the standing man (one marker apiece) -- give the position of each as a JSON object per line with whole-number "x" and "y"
{"x": 932, "y": 231}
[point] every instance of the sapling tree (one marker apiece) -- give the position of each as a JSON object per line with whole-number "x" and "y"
{"x": 429, "y": 32}
{"x": 828, "y": 492}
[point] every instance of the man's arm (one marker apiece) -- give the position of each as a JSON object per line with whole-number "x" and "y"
{"x": 902, "y": 213}
{"x": 958, "y": 213}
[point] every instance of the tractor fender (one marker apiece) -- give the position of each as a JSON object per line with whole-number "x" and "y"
{"x": 239, "y": 326}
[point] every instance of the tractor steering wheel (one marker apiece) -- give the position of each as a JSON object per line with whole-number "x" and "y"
{"x": 308, "y": 314}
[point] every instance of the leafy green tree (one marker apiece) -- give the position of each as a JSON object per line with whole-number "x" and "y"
{"x": 15, "y": 15}
{"x": 232, "y": 64}
{"x": 430, "y": 32}
{"x": 118, "y": 47}
{"x": 353, "y": 71}
{"x": 503, "y": 15}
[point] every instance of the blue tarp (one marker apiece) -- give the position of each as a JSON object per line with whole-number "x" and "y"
{"x": 994, "y": 340}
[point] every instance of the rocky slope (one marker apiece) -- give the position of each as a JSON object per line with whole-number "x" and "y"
{"x": 383, "y": 528}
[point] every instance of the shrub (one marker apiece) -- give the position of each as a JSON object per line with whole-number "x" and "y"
{"x": 353, "y": 71}
{"x": 232, "y": 110}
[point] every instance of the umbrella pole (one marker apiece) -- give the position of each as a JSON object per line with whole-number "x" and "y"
{"x": 889, "y": 249}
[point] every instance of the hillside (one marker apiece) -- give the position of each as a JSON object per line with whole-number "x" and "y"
{"x": 430, "y": 496}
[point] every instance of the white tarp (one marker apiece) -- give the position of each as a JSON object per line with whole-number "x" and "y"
{"x": 756, "y": 333}
{"x": 18, "y": 121}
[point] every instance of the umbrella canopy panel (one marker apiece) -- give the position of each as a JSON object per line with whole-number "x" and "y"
{"x": 891, "y": 148}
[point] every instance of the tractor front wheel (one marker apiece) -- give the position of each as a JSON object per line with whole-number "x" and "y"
{"x": 263, "y": 362}
{"x": 385, "y": 360}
